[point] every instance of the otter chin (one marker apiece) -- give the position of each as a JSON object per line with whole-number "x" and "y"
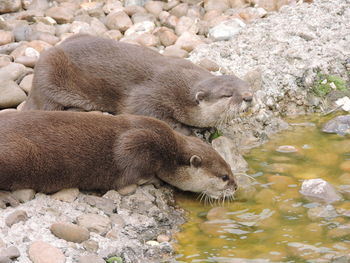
{"x": 51, "y": 150}
{"x": 90, "y": 73}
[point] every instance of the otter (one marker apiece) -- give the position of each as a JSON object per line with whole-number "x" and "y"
{"x": 90, "y": 73}
{"x": 51, "y": 150}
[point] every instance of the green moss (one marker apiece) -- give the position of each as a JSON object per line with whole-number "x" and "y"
{"x": 214, "y": 135}
{"x": 114, "y": 260}
{"x": 324, "y": 84}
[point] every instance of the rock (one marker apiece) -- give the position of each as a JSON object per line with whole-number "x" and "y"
{"x": 142, "y": 17}
{"x": 154, "y": 7}
{"x": 113, "y": 34}
{"x": 113, "y": 195}
{"x": 12, "y": 72}
{"x": 171, "y": 4}
{"x": 180, "y": 10}
{"x": 237, "y": 3}
{"x": 26, "y": 85}
{"x": 90, "y": 246}
{"x": 133, "y": 9}
{"x": 186, "y": 24}
{"x": 4, "y": 259}
{"x": 104, "y": 204}
{"x": 37, "y": 5}
{"x": 98, "y": 27}
{"x": 152, "y": 243}
{"x": 5, "y": 60}
{"x": 166, "y": 36}
{"x": 163, "y": 238}
{"x": 7, "y": 6}
{"x": 11, "y": 94}
{"x": 319, "y": 190}
{"x": 66, "y": 195}
{"x": 111, "y": 7}
{"x": 345, "y": 166}
{"x": 128, "y": 190}
{"x": 91, "y": 259}
{"x": 280, "y": 182}
{"x": 148, "y": 40}
{"x": 42, "y": 252}
{"x": 117, "y": 221}
{"x": 80, "y": 27}
{"x": 61, "y": 15}
{"x": 286, "y": 149}
{"x": 6, "y": 198}
{"x": 217, "y": 213}
{"x": 24, "y": 195}
{"x": 268, "y": 5}
{"x": 339, "y": 232}
{"x": 208, "y": 65}
{"x": 226, "y": 30}
{"x": 15, "y": 217}
{"x": 93, "y": 8}
{"x": 170, "y": 21}
{"x": 95, "y": 223}
{"x": 246, "y": 190}
{"x": 7, "y": 49}
{"x": 339, "y": 125}
{"x": 118, "y": 20}
{"x": 6, "y": 37}
{"x": 188, "y": 41}
{"x": 140, "y": 28}
{"x": 11, "y": 252}
{"x": 175, "y": 51}
{"x": 266, "y": 196}
{"x": 322, "y": 212}
{"x": 220, "y": 5}
{"x": 27, "y": 61}
{"x": 70, "y": 232}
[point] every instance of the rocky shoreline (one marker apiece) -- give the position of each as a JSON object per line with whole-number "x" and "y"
{"x": 280, "y": 54}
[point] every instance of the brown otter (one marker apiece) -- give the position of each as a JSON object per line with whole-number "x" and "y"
{"x": 92, "y": 73}
{"x": 48, "y": 151}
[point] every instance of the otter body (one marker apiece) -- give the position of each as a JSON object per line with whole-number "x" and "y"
{"x": 91, "y": 73}
{"x": 49, "y": 151}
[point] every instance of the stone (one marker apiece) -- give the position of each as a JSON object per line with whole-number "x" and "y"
{"x": 60, "y": 14}
{"x": 152, "y": 243}
{"x": 38, "y": 45}
{"x": 286, "y": 149}
{"x": 26, "y": 83}
{"x": 148, "y": 40}
{"x": 339, "y": 125}
{"x": 6, "y": 198}
{"x": 166, "y": 36}
{"x": 268, "y": 5}
{"x": 280, "y": 182}
{"x": 118, "y": 20}
{"x": 135, "y": 2}
{"x": 140, "y": 28}
{"x": 37, "y": 5}
{"x": 90, "y": 246}
{"x": 237, "y": 3}
{"x": 93, "y": 8}
{"x": 171, "y": 21}
{"x": 345, "y": 166}
{"x": 133, "y": 9}
{"x": 128, "y": 190}
{"x": 12, "y": 72}
{"x": 104, "y": 204}
{"x": 175, "y": 51}
{"x": 339, "y": 232}
{"x": 171, "y": 4}
{"x": 154, "y": 7}
{"x": 42, "y": 252}
{"x": 210, "y": 15}
{"x": 220, "y": 5}
{"x": 142, "y": 17}
{"x": 95, "y": 223}
{"x": 5, "y": 60}
{"x": 217, "y": 213}
{"x": 27, "y": 61}
{"x": 80, "y": 27}
{"x": 98, "y": 27}
{"x": 6, "y": 37}
{"x": 66, "y": 195}
{"x": 163, "y": 238}
{"x": 113, "y": 34}
{"x": 266, "y": 196}
{"x": 11, "y": 252}
{"x": 111, "y": 7}
{"x": 226, "y": 30}
{"x": 70, "y": 232}
{"x": 208, "y": 64}
{"x": 186, "y": 24}
{"x": 322, "y": 212}
{"x": 188, "y": 41}
{"x": 11, "y": 95}
{"x": 15, "y": 217}
{"x": 117, "y": 221}
{"x": 180, "y": 10}
{"x": 319, "y": 190}
{"x": 91, "y": 259}
{"x": 7, "y": 6}
{"x": 113, "y": 195}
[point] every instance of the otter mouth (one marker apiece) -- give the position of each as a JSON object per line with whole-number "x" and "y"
{"x": 212, "y": 198}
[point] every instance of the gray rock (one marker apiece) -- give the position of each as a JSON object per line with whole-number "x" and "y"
{"x": 38, "y": 5}
{"x": 118, "y": 20}
{"x": 16, "y": 217}
{"x": 70, "y": 232}
{"x": 339, "y": 125}
{"x": 7, "y": 49}
{"x": 42, "y": 252}
{"x": 104, "y": 204}
{"x": 7, "y": 6}
{"x": 135, "y": 2}
{"x": 226, "y": 30}
{"x": 319, "y": 190}
{"x": 91, "y": 258}
{"x": 62, "y": 15}
{"x": 11, "y": 252}
{"x": 23, "y": 33}
{"x": 11, "y": 94}
{"x": 322, "y": 212}
{"x": 95, "y": 223}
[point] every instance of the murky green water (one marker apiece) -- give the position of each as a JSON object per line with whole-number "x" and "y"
{"x": 276, "y": 223}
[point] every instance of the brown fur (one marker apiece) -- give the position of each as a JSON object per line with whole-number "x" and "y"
{"x": 48, "y": 151}
{"x": 92, "y": 73}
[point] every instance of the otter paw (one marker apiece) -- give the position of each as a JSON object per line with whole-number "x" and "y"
{"x": 7, "y": 199}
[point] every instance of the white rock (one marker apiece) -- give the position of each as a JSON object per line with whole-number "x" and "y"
{"x": 226, "y": 30}
{"x": 31, "y": 52}
{"x": 344, "y": 103}
{"x": 319, "y": 190}
{"x": 140, "y": 28}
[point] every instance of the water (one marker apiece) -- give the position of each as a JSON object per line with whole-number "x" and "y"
{"x": 276, "y": 223}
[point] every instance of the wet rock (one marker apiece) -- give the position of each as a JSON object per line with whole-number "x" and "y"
{"x": 319, "y": 190}
{"x": 286, "y": 149}
{"x": 339, "y": 232}
{"x": 66, "y": 195}
{"x": 118, "y": 20}
{"x": 11, "y": 252}
{"x": 70, "y": 232}
{"x": 226, "y": 30}
{"x": 11, "y": 94}
{"x": 42, "y": 252}
{"x": 104, "y": 204}
{"x": 290, "y": 207}
{"x": 128, "y": 190}
{"x": 61, "y": 15}
{"x": 266, "y": 196}
{"x": 15, "y": 217}
{"x": 339, "y": 125}
{"x": 322, "y": 212}
{"x": 280, "y": 182}
{"x": 246, "y": 190}
{"x": 7, "y": 6}
{"x": 6, "y": 37}
{"x": 91, "y": 259}
{"x": 345, "y": 166}
{"x": 303, "y": 250}
{"x": 95, "y": 223}
{"x": 217, "y": 213}
{"x": 26, "y": 83}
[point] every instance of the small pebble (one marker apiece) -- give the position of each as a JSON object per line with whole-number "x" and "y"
{"x": 16, "y": 217}
{"x": 286, "y": 149}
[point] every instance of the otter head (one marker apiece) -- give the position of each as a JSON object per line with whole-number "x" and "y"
{"x": 219, "y": 99}
{"x": 202, "y": 170}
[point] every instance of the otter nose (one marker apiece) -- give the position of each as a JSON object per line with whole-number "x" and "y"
{"x": 247, "y": 96}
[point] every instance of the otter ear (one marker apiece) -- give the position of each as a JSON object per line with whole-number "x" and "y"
{"x": 195, "y": 161}
{"x": 199, "y": 96}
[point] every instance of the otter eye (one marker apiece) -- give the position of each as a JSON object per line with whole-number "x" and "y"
{"x": 225, "y": 178}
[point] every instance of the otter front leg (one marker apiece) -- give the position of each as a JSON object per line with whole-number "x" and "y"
{"x": 7, "y": 199}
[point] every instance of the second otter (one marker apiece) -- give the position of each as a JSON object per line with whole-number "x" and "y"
{"x": 91, "y": 73}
